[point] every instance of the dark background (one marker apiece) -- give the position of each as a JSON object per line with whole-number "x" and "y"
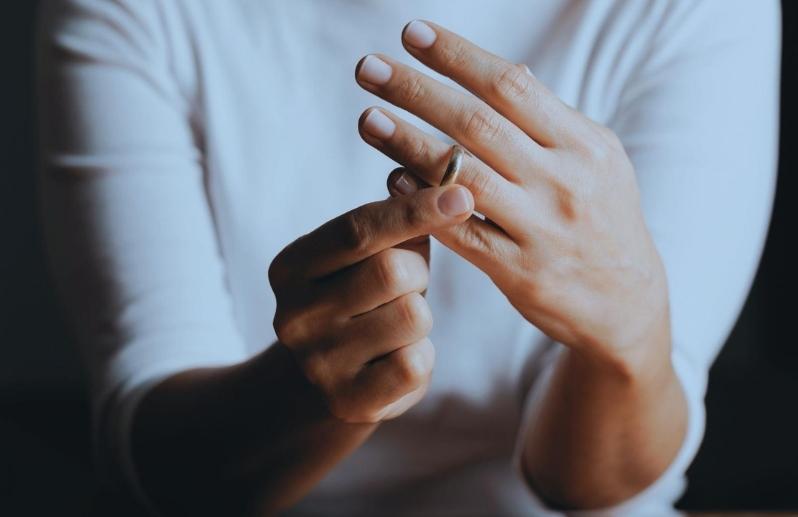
{"x": 748, "y": 460}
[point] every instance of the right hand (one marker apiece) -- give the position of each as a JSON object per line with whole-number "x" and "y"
{"x": 350, "y": 304}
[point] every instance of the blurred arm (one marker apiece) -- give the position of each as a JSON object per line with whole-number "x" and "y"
{"x": 132, "y": 246}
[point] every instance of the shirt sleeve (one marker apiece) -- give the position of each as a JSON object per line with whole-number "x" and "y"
{"x": 699, "y": 120}
{"x": 129, "y": 228}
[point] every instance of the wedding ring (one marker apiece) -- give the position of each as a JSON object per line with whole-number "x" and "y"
{"x": 453, "y": 167}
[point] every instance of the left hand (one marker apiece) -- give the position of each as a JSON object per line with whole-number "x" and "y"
{"x": 564, "y": 236}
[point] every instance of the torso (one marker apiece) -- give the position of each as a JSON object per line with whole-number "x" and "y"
{"x": 275, "y": 105}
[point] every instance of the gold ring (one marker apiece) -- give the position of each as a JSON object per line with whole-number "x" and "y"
{"x": 453, "y": 167}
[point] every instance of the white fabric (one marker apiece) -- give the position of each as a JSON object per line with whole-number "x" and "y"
{"x": 186, "y": 142}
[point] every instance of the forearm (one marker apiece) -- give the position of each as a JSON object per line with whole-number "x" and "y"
{"x": 251, "y": 438}
{"x": 605, "y": 431}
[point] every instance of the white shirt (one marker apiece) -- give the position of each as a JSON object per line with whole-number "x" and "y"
{"x": 186, "y": 142}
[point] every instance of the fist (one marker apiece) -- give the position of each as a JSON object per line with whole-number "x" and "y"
{"x": 350, "y": 304}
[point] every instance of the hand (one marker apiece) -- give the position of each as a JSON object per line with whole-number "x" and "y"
{"x": 349, "y": 302}
{"x": 563, "y": 236}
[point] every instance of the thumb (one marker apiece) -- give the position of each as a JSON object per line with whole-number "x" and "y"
{"x": 480, "y": 241}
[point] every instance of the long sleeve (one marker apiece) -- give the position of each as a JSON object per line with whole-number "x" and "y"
{"x": 699, "y": 119}
{"x": 128, "y": 224}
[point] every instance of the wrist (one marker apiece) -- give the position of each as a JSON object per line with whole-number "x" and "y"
{"x": 640, "y": 346}
{"x": 274, "y": 378}
{"x": 647, "y": 359}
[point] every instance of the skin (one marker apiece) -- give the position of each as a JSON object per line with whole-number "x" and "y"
{"x": 563, "y": 238}
{"x": 352, "y": 323}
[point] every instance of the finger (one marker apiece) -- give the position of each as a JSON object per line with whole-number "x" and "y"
{"x": 396, "y": 408}
{"x": 467, "y": 119}
{"x": 403, "y": 371}
{"x": 481, "y": 242}
{"x": 389, "y": 327}
{"x": 418, "y": 244}
{"x": 494, "y": 196}
{"x": 509, "y": 88}
{"x": 412, "y": 182}
{"x": 379, "y": 279}
{"x": 373, "y": 227}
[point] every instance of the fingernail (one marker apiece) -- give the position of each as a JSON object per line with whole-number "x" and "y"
{"x": 420, "y": 35}
{"x": 454, "y": 201}
{"x": 374, "y": 70}
{"x": 528, "y": 71}
{"x": 404, "y": 185}
{"x": 378, "y": 125}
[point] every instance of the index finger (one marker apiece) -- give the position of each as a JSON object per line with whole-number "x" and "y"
{"x": 373, "y": 227}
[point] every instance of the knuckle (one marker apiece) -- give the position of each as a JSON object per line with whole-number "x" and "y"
{"x": 420, "y": 151}
{"x": 411, "y": 89}
{"x": 415, "y": 314}
{"x": 567, "y": 205}
{"x": 482, "y": 186}
{"x": 480, "y": 125}
{"x": 390, "y": 270}
{"x": 597, "y": 152}
{"x": 316, "y": 368}
{"x": 512, "y": 84}
{"x": 413, "y": 215}
{"x": 290, "y": 330}
{"x": 472, "y": 238}
{"x": 355, "y": 235}
{"x": 573, "y": 200}
{"x": 410, "y": 369}
{"x": 454, "y": 55}
{"x": 361, "y": 411}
